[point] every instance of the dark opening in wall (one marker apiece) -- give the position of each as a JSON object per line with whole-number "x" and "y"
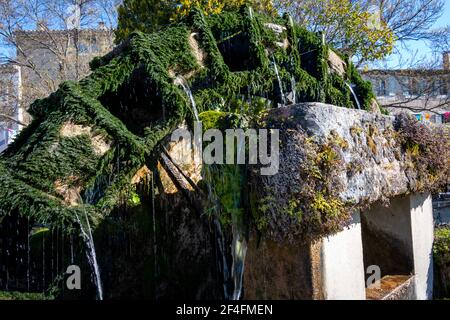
{"x": 14, "y": 255}
{"x": 136, "y": 103}
{"x": 387, "y": 238}
{"x": 236, "y": 52}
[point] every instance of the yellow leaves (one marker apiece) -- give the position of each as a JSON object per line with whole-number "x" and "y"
{"x": 346, "y": 26}
{"x": 217, "y": 6}
{"x": 208, "y": 6}
{"x": 328, "y": 207}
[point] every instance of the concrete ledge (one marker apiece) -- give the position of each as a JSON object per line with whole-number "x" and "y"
{"x": 392, "y": 288}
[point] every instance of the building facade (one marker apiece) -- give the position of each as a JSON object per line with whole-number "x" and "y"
{"x": 424, "y": 93}
{"x": 50, "y": 57}
{"x": 45, "y": 58}
{"x": 11, "y": 112}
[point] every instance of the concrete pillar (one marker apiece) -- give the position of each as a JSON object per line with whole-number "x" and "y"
{"x": 342, "y": 264}
{"x": 422, "y": 227}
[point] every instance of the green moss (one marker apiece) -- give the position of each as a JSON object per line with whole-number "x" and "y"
{"x": 326, "y": 157}
{"x": 441, "y": 248}
{"x": 339, "y": 141}
{"x": 20, "y": 296}
{"x": 363, "y": 89}
{"x": 294, "y": 211}
{"x": 356, "y": 131}
{"x": 225, "y": 192}
{"x": 314, "y": 207}
{"x": 261, "y": 208}
{"x": 134, "y": 200}
{"x": 327, "y": 207}
{"x": 214, "y": 120}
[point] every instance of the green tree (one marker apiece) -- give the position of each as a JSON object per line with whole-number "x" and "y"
{"x": 348, "y": 25}
{"x": 150, "y": 15}
{"x": 143, "y": 15}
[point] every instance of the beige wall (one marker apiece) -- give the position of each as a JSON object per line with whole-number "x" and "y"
{"x": 51, "y": 57}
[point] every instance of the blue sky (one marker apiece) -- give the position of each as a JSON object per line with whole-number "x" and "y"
{"x": 420, "y": 49}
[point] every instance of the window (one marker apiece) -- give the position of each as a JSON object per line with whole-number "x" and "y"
{"x": 414, "y": 87}
{"x": 405, "y": 86}
{"x": 83, "y": 48}
{"x": 442, "y": 87}
{"x": 94, "y": 45}
{"x": 446, "y": 117}
{"x": 3, "y": 139}
{"x": 437, "y": 118}
{"x": 381, "y": 88}
{"x": 435, "y": 88}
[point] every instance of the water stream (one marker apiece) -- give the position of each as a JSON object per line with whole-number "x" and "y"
{"x": 280, "y": 83}
{"x": 155, "y": 244}
{"x": 239, "y": 252}
{"x": 239, "y": 245}
{"x": 91, "y": 254}
{"x": 180, "y": 81}
{"x": 294, "y": 90}
{"x": 350, "y": 86}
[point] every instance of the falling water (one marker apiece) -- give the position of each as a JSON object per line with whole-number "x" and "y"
{"x": 91, "y": 254}
{"x": 294, "y": 90}
{"x": 250, "y": 13}
{"x": 280, "y": 83}
{"x": 239, "y": 246}
{"x": 28, "y": 254}
{"x": 350, "y": 86}
{"x": 155, "y": 246}
{"x": 239, "y": 250}
{"x": 62, "y": 254}
{"x": 72, "y": 259}
{"x": 43, "y": 263}
{"x": 183, "y": 83}
{"x": 52, "y": 256}
{"x": 57, "y": 250}
{"x": 220, "y": 240}
{"x": 221, "y": 258}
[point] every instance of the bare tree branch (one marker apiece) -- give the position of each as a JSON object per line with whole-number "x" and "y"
{"x": 37, "y": 36}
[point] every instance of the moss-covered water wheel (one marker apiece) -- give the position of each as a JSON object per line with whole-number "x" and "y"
{"x": 93, "y": 146}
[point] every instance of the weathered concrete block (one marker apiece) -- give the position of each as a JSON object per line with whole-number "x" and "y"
{"x": 334, "y": 161}
{"x": 422, "y": 227}
{"x": 367, "y": 142}
{"x": 331, "y": 268}
{"x": 342, "y": 264}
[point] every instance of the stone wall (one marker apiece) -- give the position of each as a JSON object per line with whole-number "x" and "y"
{"x": 334, "y": 160}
